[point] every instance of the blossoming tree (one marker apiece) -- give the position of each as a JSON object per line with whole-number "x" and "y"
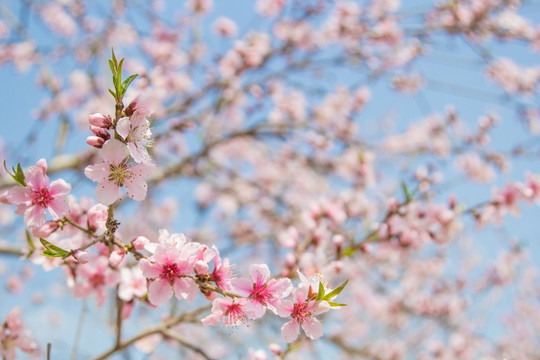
{"x": 335, "y": 179}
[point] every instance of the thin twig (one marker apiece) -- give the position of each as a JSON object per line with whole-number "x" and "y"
{"x": 186, "y": 344}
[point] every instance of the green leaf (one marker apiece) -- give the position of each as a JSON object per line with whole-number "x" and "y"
{"x": 349, "y": 251}
{"x": 112, "y": 93}
{"x": 320, "y": 294}
{"x": 114, "y": 58}
{"x": 113, "y": 67}
{"x": 335, "y": 304}
{"x": 119, "y": 78}
{"x": 336, "y": 291}
{"x": 17, "y": 175}
{"x": 127, "y": 82}
{"x": 53, "y": 250}
{"x": 30, "y": 241}
{"x": 406, "y": 191}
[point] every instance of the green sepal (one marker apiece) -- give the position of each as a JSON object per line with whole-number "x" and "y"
{"x": 17, "y": 175}
{"x": 335, "y": 304}
{"x": 336, "y": 291}
{"x": 53, "y": 250}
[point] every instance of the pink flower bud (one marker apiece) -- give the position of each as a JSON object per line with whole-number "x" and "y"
{"x": 4, "y": 197}
{"x": 95, "y": 141}
{"x": 100, "y": 120}
{"x": 97, "y": 216}
{"x": 338, "y": 240}
{"x": 116, "y": 257}
{"x": 81, "y": 256}
{"x": 275, "y": 349}
{"x": 290, "y": 260}
{"x": 200, "y": 267}
{"x": 99, "y": 132}
{"x": 46, "y": 229}
{"x": 139, "y": 243}
{"x": 127, "y": 309}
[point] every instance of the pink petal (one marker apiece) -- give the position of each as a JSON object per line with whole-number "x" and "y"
{"x": 159, "y": 292}
{"x": 136, "y": 188}
{"x": 281, "y": 287}
{"x": 34, "y": 216}
{"x": 320, "y": 307}
{"x": 313, "y": 328}
{"x": 285, "y": 308}
{"x": 123, "y": 126}
{"x": 255, "y": 310}
{"x": 242, "y": 286}
{"x": 259, "y": 274}
{"x": 185, "y": 289}
{"x": 18, "y": 195}
{"x": 99, "y": 172}
{"x": 58, "y": 207}
{"x": 59, "y": 188}
{"x": 139, "y": 154}
{"x": 107, "y": 192}
{"x": 143, "y": 170}
{"x": 166, "y": 254}
{"x": 300, "y": 294}
{"x": 289, "y": 331}
{"x": 35, "y": 178}
{"x": 114, "y": 151}
{"x": 212, "y": 319}
{"x": 149, "y": 269}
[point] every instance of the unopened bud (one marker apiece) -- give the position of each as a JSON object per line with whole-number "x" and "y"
{"x": 100, "y": 120}
{"x": 139, "y": 243}
{"x": 45, "y": 230}
{"x": 116, "y": 257}
{"x": 102, "y": 133}
{"x": 4, "y": 197}
{"x": 127, "y": 309}
{"x": 97, "y": 216}
{"x": 95, "y": 141}
{"x": 200, "y": 267}
{"x": 338, "y": 240}
{"x": 275, "y": 349}
{"x": 81, "y": 256}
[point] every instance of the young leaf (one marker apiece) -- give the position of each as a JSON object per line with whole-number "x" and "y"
{"x": 127, "y": 82}
{"x": 112, "y": 93}
{"x": 335, "y": 304}
{"x": 30, "y": 241}
{"x": 320, "y": 294}
{"x": 17, "y": 175}
{"x": 113, "y": 67}
{"x": 114, "y": 58}
{"x": 336, "y": 291}
{"x": 406, "y": 191}
{"x": 349, "y": 251}
{"x": 53, "y": 250}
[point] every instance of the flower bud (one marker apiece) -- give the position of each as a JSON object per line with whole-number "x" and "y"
{"x": 139, "y": 243}
{"x": 45, "y": 230}
{"x": 102, "y": 133}
{"x": 81, "y": 256}
{"x": 200, "y": 267}
{"x": 95, "y": 141}
{"x": 275, "y": 349}
{"x": 97, "y": 216}
{"x": 116, "y": 257}
{"x": 100, "y": 120}
{"x": 127, "y": 309}
{"x": 4, "y": 197}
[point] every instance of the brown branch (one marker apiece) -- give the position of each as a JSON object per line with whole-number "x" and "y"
{"x": 183, "y": 342}
{"x": 11, "y": 250}
{"x": 191, "y": 316}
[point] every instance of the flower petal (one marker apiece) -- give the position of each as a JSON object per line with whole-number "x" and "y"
{"x": 259, "y": 273}
{"x": 58, "y": 207}
{"x": 320, "y": 307}
{"x": 285, "y": 308}
{"x": 107, "y": 192}
{"x": 114, "y": 151}
{"x": 123, "y": 126}
{"x": 150, "y": 269}
{"x": 242, "y": 286}
{"x": 159, "y": 292}
{"x": 185, "y": 289}
{"x": 34, "y": 216}
{"x": 59, "y": 188}
{"x": 98, "y": 172}
{"x": 136, "y": 188}
{"x": 138, "y": 153}
{"x": 19, "y": 195}
{"x": 313, "y": 328}
{"x": 289, "y": 331}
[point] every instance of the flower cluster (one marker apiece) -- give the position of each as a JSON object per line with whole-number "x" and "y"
{"x": 14, "y": 335}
